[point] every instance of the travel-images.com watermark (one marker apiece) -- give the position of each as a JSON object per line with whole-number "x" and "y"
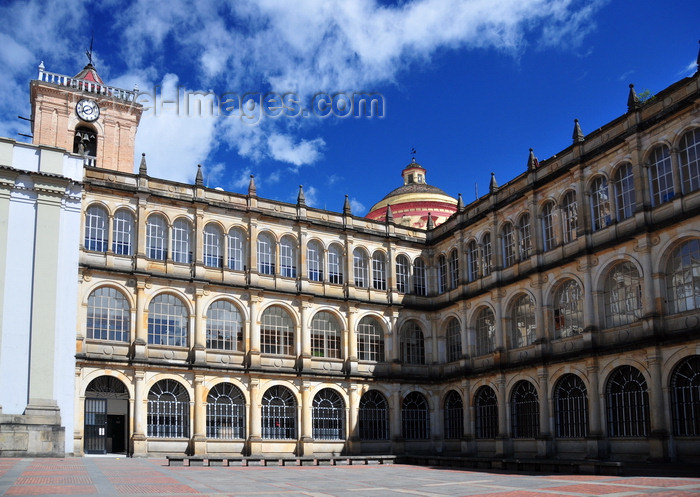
{"x": 251, "y": 107}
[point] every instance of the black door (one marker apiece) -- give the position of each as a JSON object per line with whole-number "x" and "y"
{"x": 95, "y": 426}
{"x": 116, "y": 433}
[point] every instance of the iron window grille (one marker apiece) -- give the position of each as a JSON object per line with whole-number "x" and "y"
{"x": 328, "y": 416}
{"x": 370, "y": 340}
{"x": 96, "y": 229}
{"x": 685, "y": 397}
{"x": 486, "y": 413}
{"x": 182, "y": 233}
{"x": 276, "y": 332}
{"x": 279, "y": 414}
{"x": 622, "y": 295}
{"x": 168, "y": 410}
{"x": 525, "y": 410}
{"x": 225, "y": 413}
{"x": 690, "y": 160}
{"x": 108, "y": 315}
{"x": 454, "y": 416}
{"x": 523, "y": 330}
{"x": 412, "y": 346}
{"x": 167, "y": 321}
{"x": 373, "y": 417}
{"x": 627, "y": 403}
{"x": 683, "y": 278}
{"x": 224, "y": 326}
{"x": 156, "y": 237}
{"x": 325, "y": 336}
{"x": 415, "y": 417}
{"x": 571, "y": 407}
{"x": 453, "y": 340}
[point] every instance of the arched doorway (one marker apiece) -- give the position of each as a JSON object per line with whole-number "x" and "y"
{"x": 106, "y": 416}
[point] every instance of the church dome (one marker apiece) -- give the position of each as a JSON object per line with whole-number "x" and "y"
{"x": 414, "y": 201}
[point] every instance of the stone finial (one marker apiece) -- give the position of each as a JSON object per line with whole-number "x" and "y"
{"x": 143, "y": 169}
{"x": 460, "y": 203}
{"x": 252, "y": 191}
{"x": 430, "y": 224}
{"x": 578, "y": 136}
{"x": 199, "y": 179}
{"x": 532, "y": 162}
{"x": 633, "y": 100}
{"x": 346, "y": 207}
{"x": 389, "y": 214}
{"x": 493, "y": 186}
{"x": 301, "y": 199}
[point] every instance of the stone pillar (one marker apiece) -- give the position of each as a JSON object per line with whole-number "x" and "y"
{"x": 354, "y": 443}
{"x": 141, "y": 327}
{"x": 306, "y": 438}
{"x": 497, "y": 299}
{"x": 253, "y": 327}
{"x": 468, "y": 440}
{"x": 200, "y": 342}
{"x": 595, "y": 441}
{"x": 544, "y": 440}
{"x": 504, "y": 445}
{"x": 659, "y": 436}
{"x": 395, "y": 424}
{"x": 351, "y": 340}
{"x": 254, "y": 419}
{"x": 304, "y": 344}
{"x": 589, "y": 318}
{"x": 437, "y": 421}
{"x": 199, "y": 439}
{"x": 140, "y": 447}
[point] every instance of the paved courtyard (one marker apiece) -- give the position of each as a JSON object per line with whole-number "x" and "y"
{"x": 152, "y": 477}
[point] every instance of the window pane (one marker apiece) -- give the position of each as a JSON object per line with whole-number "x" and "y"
{"x": 683, "y": 278}
{"x": 325, "y": 336}
{"x": 623, "y": 295}
{"x": 167, "y": 321}
{"x": 370, "y": 340}
{"x": 276, "y": 332}
{"x": 213, "y": 249}
{"x": 624, "y": 192}
{"x": 123, "y": 232}
{"x": 485, "y": 332}
{"x": 661, "y": 175}
{"x": 224, "y": 326}
{"x": 182, "y": 232}
{"x": 156, "y": 238}
{"x": 690, "y": 160}
{"x": 108, "y": 315}
{"x": 236, "y": 249}
{"x": 568, "y": 310}
{"x": 96, "y": 229}
{"x": 523, "y": 322}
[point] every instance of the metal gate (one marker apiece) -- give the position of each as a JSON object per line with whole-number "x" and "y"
{"x": 95, "y": 426}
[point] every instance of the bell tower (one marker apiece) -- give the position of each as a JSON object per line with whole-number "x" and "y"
{"x": 85, "y": 116}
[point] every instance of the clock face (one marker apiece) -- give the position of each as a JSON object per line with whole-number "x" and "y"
{"x": 87, "y": 110}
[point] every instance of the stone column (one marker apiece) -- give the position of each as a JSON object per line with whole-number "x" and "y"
{"x": 199, "y": 439}
{"x": 589, "y": 318}
{"x": 659, "y": 436}
{"x": 354, "y": 444}
{"x": 306, "y": 438}
{"x": 351, "y": 339}
{"x": 595, "y": 439}
{"x": 544, "y": 439}
{"x": 139, "y": 448}
{"x": 141, "y": 327}
{"x": 254, "y": 419}
{"x": 395, "y": 421}
{"x": 199, "y": 327}
{"x": 468, "y": 440}
{"x": 253, "y": 327}
{"x": 304, "y": 343}
{"x": 504, "y": 446}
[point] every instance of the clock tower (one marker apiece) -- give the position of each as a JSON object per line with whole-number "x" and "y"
{"x": 85, "y": 116}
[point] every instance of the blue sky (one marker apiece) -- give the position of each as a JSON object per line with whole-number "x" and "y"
{"x": 471, "y": 85}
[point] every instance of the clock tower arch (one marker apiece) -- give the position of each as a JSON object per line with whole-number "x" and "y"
{"x": 85, "y": 116}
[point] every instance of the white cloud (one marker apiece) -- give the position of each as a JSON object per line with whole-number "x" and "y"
{"x": 282, "y": 148}
{"x": 243, "y": 180}
{"x": 311, "y": 196}
{"x": 357, "y": 207}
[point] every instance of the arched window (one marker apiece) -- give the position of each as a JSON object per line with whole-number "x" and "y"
{"x": 419, "y": 287}
{"x": 473, "y": 260}
{"x": 623, "y": 295}
{"x": 524, "y": 237}
{"x": 325, "y": 336}
{"x": 627, "y": 401}
{"x": 276, "y": 332}
{"x": 123, "y": 232}
{"x": 661, "y": 175}
{"x": 508, "y": 245}
{"x": 328, "y": 416}
{"x": 156, "y": 237}
{"x": 624, "y": 192}
{"x": 486, "y": 253}
{"x": 600, "y": 204}
{"x": 568, "y": 310}
{"x": 454, "y": 416}
{"x": 569, "y": 214}
{"x": 442, "y": 274}
{"x": 224, "y": 326}
{"x": 454, "y": 269}
{"x": 485, "y": 332}
{"x": 412, "y": 347}
{"x": 402, "y": 274}
{"x": 167, "y": 321}
{"x": 266, "y": 254}
{"x": 182, "y": 234}
{"x": 373, "y": 417}
{"x": 486, "y": 413}
{"x": 690, "y": 160}
{"x": 522, "y": 331}
{"x": 415, "y": 417}
{"x": 378, "y": 271}
{"x": 525, "y": 410}
{"x": 236, "y": 249}
{"x": 335, "y": 264}
{"x": 108, "y": 315}
{"x": 168, "y": 410}
{"x": 225, "y": 413}
{"x": 360, "y": 264}
{"x": 96, "y": 229}
{"x": 683, "y": 278}
{"x": 279, "y": 414}
{"x": 685, "y": 397}
{"x": 453, "y": 335}
{"x": 213, "y": 246}
{"x": 370, "y": 340}
{"x": 549, "y": 239}
{"x": 288, "y": 257}
{"x": 314, "y": 261}
{"x": 571, "y": 407}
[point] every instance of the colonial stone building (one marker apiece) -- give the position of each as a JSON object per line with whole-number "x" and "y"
{"x": 558, "y": 315}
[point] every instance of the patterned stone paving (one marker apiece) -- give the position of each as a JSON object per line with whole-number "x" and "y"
{"x": 103, "y": 476}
